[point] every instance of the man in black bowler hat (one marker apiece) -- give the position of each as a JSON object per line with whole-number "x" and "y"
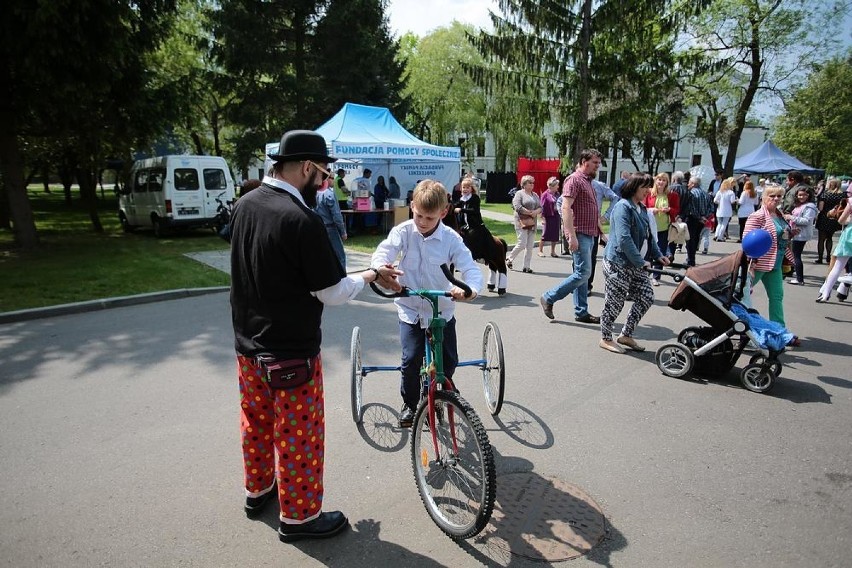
{"x": 283, "y": 271}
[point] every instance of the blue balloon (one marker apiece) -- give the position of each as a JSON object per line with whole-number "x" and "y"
{"x": 757, "y": 243}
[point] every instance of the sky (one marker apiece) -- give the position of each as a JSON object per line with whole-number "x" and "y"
{"x": 422, "y": 16}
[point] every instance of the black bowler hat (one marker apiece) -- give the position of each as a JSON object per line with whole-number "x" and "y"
{"x": 302, "y": 145}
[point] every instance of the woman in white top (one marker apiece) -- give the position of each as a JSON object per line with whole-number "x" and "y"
{"x": 724, "y": 200}
{"x": 748, "y": 202}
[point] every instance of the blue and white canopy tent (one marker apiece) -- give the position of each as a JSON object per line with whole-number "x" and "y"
{"x": 770, "y": 159}
{"x": 372, "y": 138}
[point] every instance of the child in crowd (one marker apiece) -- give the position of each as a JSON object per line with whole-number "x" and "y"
{"x": 423, "y": 244}
{"x": 709, "y": 225}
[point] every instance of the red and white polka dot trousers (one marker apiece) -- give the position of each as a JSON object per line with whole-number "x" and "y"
{"x": 290, "y": 423}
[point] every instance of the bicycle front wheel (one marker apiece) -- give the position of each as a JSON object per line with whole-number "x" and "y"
{"x": 494, "y": 370}
{"x": 456, "y": 479}
{"x": 356, "y": 376}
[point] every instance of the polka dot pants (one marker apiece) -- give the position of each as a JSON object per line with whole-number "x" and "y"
{"x": 290, "y": 423}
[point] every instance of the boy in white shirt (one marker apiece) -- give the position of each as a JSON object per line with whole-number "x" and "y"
{"x": 423, "y": 244}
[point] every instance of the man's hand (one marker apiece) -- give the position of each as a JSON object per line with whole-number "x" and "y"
{"x": 573, "y": 243}
{"x": 664, "y": 260}
{"x": 458, "y": 294}
{"x": 387, "y": 277}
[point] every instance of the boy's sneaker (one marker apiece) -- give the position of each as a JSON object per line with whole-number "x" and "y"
{"x": 406, "y": 417}
{"x": 794, "y": 281}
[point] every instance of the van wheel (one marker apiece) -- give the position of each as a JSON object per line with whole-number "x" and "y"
{"x": 159, "y": 229}
{"x": 125, "y": 224}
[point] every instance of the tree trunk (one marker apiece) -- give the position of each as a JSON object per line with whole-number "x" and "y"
{"x": 584, "y": 80}
{"x": 46, "y": 180}
{"x": 756, "y": 66}
{"x": 20, "y": 210}
{"x": 5, "y": 223}
{"x": 196, "y": 141}
{"x": 88, "y": 195}
{"x": 214, "y": 126}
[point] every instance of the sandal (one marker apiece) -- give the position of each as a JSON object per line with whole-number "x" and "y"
{"x": 541, "y": 254}
{"x": 554, "y": 255}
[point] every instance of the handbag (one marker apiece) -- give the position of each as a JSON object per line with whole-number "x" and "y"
{"x": 527, "y": 222}
{"x": 678, "y": 233}
{"x": 283, "y": 374}
{"x": 838, "y": 209}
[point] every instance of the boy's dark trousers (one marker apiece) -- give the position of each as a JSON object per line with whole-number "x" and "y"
{"x": 411, "y": 337}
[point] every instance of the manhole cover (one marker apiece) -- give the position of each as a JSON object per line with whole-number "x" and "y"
{"x": 543, "y": 518}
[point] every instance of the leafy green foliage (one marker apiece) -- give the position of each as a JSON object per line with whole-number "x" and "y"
{"x": 818, "y": 118}
{"x": 445, "y": 104}
{"x": 740, "y": 52}
{"x": 354, "y": 59}
{"x": 585, "y": 66}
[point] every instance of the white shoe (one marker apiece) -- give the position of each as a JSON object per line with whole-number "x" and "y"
{"x": 655, "y": 282}
{"x": 794, "y": 281}
{"x": 845, "y": 279}
{"x": 612, "y": 346}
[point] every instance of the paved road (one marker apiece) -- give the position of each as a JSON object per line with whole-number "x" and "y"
{"x": 119, "y": 440}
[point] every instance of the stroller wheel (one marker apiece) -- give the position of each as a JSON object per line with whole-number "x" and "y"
{"x": 758, "y": 359}
{"x": 675, "y": 360}
{"x": 757, "y": 378}
{"x": 688, "y": 333}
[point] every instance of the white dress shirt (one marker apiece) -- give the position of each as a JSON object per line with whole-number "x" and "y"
{"x": 420, "y": 259}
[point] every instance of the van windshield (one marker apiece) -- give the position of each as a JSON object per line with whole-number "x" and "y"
{"x": 186, "y": 179}
{"x": 214, "y": 179}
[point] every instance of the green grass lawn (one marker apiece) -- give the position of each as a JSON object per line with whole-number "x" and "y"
{"x": 75, "y": 264}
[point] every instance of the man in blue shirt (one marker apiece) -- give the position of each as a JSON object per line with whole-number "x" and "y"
{"x": 699, "y": 208}
{"x": 602, "y": 191}
{"x": 619, "y": 184}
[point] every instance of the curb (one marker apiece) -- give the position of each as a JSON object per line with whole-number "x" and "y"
{"x": 106, "y": 303}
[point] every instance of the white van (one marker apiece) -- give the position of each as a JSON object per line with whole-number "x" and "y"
{"x": 174, "y": 191}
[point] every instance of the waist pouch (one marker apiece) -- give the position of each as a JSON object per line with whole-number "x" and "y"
{"x": 284, "y": 374}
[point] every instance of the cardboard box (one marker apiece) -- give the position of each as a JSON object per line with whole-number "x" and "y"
{"x": 361, "y": 204}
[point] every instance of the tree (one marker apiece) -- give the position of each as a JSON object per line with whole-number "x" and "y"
{"x": 583, "y": 60}
{"x": 742, "y": 51}
{"x": 263, "y": 48}
{"x": 354, "y": 59}
{"x": 84, "y": 89}
{"x": 817, "y": 121}
{"x": 445, "y": 105}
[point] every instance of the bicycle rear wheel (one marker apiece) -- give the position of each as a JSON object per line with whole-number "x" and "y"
{"x": 494, "y": 371}
{"x": 457, "y": 482}
{"x": 356, "y": 378}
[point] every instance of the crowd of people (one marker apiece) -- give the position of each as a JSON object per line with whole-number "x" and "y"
{"x": 287, "y": 263}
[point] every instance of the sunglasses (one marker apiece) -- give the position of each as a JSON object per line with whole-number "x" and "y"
{"x": 325, "y": 173}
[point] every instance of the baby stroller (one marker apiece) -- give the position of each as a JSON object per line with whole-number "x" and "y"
{"x": 712, "y": 291}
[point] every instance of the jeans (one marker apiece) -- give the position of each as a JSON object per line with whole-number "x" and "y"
{"x": 663, "y": 245}
{"x": 412, "y": 339}
{"x": 595, "y": 244}
{"x": 695, "y": 227}
{"x": 798, "y": 268}
{"x": 578, "y": 281}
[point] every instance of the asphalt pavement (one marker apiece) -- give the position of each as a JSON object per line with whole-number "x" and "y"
{"x": 119, "y": 431}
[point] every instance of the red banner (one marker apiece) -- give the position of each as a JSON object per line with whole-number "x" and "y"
{"x": 539, "y": 169}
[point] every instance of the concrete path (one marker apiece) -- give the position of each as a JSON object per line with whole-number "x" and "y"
{"x": 120, "y": 444}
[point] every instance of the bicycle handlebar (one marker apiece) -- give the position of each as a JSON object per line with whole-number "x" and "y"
{"x": 406, "y": 291}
